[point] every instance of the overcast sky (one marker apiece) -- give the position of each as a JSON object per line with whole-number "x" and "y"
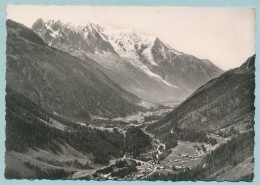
{"x": 226, "y": 36}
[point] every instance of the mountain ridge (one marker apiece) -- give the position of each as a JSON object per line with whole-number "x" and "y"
{"x": 161, "y": 64}
{"x": 60, "y": 82}
{"x": 203, "y": 110}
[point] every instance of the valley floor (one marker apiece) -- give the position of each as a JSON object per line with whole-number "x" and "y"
{"x": 72, "y": 164}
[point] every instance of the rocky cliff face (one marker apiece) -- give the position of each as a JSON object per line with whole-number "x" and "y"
{"x": 185, "y": 71}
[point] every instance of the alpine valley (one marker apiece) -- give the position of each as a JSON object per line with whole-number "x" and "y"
{"x": 91, "y": 101}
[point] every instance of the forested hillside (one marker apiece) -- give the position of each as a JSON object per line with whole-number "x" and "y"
{"x": 59, "y": 82}
{"x": 136, "y": 141}
{"x": 219, "y": 104}
{"x": 30, "y": 127}
{"x": 223, "y": 107}
{"x": 82, "y": 102}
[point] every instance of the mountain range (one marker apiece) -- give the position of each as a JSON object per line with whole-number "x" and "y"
{"x": 141, "y": 64}
{"x": 60, "y": 83}
{"x": 66, "y": 83}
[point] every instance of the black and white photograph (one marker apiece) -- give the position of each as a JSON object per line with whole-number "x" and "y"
{"x": 130, "y": 93}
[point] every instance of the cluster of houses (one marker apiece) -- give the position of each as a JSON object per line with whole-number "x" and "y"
{"x": 183, "y": 158}
{"x": 181, "y": 168}
{"x": 187, "y": 156}
{"x": 160, "y": 168}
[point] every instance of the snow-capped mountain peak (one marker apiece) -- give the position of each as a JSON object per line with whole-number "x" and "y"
{"x": 130, "y": 44}
{"x": 148, "y": 54}
{"x": 127, "y": 42}
{"x": 85, "y": 37}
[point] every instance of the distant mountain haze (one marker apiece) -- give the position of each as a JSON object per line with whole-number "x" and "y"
{"x": 139, "y": 63}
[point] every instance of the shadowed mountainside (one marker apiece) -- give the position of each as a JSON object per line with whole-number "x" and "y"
{"x": 222, "y": 102}
{"x": 59, "y": 82}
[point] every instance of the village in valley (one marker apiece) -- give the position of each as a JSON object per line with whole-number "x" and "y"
{"x": 185, "y": 156}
